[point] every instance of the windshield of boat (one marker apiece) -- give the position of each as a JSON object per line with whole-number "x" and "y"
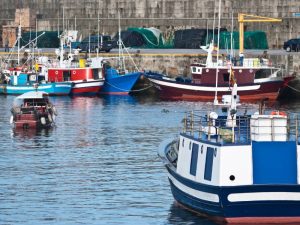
{"x": 30, "y": 102}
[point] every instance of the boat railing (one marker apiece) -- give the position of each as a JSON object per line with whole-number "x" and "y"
{"x": 242, "y": 129}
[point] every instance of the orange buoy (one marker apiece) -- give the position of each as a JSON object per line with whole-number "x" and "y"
{"x": 278, "y": 113}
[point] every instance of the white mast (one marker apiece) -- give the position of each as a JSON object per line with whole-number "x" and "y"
{"x": 19, "y": 40}
{"x": 98, "y": 30}
{"x": 120, "y": 43}
{"x": 89, "y": 40}
{"x": 218, "y": 50}
{"x": 120, "y": 39}
{"x": 58, "y": 24}
{"x": 231, "y": 39}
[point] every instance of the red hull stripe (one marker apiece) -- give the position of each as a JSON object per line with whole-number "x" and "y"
{"x": 263, "y": 220}
{"x": 86, "y": 90}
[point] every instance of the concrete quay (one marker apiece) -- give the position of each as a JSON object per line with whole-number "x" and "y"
{"x": 176, "y": 61}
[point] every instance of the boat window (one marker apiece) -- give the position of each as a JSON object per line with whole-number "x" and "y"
{"x": 67, "y": 75}
{"x": 194, "y": 69}
{"x": 226, "y": 77}
{"x": 194, "y": 159}
{"x": 95, "y": 74}
{"x": 264, "y": 73}
{"x": 209, "y": 163}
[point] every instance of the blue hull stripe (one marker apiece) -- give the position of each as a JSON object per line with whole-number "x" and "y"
{"x": 50, "y": 88}
{"x": 228, "y": 209}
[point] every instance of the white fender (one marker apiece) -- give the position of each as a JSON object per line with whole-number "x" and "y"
{"x": 43, "y": 120}
{"x": 11, "y": 119}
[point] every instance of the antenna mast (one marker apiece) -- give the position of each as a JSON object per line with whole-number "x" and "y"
{"x": 218, "y": 50}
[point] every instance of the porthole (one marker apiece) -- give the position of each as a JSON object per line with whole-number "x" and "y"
{"x": 232, "y": 177}
{"x": 207, "y": 70}
{"x": 240, "y": 71}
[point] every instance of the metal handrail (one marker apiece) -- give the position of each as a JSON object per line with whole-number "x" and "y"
{"x": 203, "y": 127}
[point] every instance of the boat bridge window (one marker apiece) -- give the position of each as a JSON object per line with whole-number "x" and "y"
{"x": 95, "y": 74}
{"x": 263, "y": 73}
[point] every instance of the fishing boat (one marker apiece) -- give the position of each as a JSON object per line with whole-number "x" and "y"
{"x": 117, "y": 83}
{"x": 33, "y": 110}
{"x": 120, "y": 81}
{"x": 16, "y": 81}
{"x": 236, "y": 167}
{"x": 22, "y": 78}
{"x": 86, "y": 80}
{"x": 256, "y": 78}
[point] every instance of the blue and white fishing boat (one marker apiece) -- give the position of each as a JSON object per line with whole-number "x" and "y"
{"x": 237, "y": 168}
{"x": 19, "y": 79}
{"x": 18, "y": 82}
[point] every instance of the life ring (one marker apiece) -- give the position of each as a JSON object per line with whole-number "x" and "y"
{"x": 278, "y": 113}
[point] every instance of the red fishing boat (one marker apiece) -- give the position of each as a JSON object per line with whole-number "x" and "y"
{"x": 33, "y": 110}
{"x": 86, "y": 80}
{"x": 256, "y": 79}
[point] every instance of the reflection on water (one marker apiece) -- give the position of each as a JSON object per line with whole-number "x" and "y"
{"x": 99, "y": 165}
{"x": 31, "y": 133}
{"x": 181, "y": 216}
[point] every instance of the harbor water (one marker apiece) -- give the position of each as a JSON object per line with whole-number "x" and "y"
{"x": 99, "y": 165}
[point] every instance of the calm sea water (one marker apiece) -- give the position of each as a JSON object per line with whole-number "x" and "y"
{"x": 99, "y": 165}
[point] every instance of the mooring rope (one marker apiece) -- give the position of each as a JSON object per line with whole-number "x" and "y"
{"x": 294, "y": 89}
{"x": 136, "y": 90}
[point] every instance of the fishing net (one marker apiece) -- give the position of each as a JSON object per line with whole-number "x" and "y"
{"x": 48, "y": 40}
{"x": 144, "y": 38}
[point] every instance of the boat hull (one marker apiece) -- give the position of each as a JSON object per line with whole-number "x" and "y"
{"x": 87, "y": 87}
{"x": 121, "y": 84}
{"x": 171, "y": 90}
{"x": 238, "y": 204}
{"x": 52, "y": 89}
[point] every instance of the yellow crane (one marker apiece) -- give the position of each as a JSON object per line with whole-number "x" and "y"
{"x": 242, "y": 18}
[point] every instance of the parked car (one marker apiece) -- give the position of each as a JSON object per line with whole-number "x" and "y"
{"x": 93, "y": 44}
{"x": 292, "y": 45}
